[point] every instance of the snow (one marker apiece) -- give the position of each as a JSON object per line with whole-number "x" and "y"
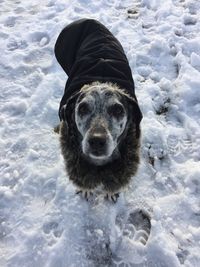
{"x": 42, "y": 221}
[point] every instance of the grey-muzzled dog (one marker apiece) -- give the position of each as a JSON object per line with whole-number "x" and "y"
{"x": 99, "y": 112}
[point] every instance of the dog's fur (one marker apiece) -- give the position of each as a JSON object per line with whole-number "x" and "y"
{"x": 115, "y": 173}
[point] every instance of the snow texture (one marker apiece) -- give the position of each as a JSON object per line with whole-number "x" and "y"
{"x": 42, "y": 222}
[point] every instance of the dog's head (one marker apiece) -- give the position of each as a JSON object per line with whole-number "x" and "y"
{"x": 102, "y": 114}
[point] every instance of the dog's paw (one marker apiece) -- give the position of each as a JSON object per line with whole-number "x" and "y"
{"x": 84, "y": 193}
{"x": 112, "y": 196}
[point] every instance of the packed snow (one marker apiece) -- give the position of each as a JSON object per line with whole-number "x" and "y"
{"x": 43, "y": 222}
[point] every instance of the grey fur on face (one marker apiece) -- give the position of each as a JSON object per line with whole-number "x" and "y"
{"x": 101, "y": 119}
{"x": 99, "y": 149}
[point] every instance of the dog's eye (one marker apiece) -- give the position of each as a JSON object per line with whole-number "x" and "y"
{"x": 83, "y": 109}
{"x": 116, "y": 110}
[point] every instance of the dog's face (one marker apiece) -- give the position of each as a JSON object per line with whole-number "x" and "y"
{"x": 101, "y": 118}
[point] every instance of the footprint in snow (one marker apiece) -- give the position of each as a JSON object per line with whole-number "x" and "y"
{"x": 14, "y": 44}
{"x": 41, "y": 38}
{"x": 52, "y": 227}
{"x": 39, "y": 57}
{"x": 19, "y": 10}
{"x": 136, "y": 229}
{"x": 189, "y": 20}
{"x": 10, "y": 22}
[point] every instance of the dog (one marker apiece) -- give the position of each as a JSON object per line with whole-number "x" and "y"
{"x": 99, "y": 112}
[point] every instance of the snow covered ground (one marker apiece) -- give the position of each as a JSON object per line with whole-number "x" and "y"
{"x": 42, "y": 222}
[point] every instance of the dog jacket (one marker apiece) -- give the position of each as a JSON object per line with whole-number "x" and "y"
{"x": 88, "y": 52}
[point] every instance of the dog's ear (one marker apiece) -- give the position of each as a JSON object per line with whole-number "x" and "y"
{"x": 135, "y": 114}
{"x": 62, "y": 113}
{"x": 66, "y": 112}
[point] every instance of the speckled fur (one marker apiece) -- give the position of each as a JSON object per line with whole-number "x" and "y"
{"x": 114, "y": 175}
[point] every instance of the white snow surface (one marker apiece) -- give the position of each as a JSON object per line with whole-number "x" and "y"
{"x": 42, "y": 222}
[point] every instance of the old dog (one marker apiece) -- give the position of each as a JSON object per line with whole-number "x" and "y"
{"x": 99, "y": 112}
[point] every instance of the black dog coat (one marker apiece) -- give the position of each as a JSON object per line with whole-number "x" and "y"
{"x": 88, "y": 52}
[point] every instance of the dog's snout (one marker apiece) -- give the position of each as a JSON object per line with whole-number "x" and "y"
{"x": 97, "y": 140}
{"x": 97, "y": 143}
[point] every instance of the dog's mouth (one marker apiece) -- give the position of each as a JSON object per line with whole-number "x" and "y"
{"x": 98, "y": 160}
{"x": 98, "y": 149}
{"x": 98, "y": 157}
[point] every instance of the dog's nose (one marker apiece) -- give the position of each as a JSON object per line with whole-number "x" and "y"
{"x": 97, "y": 144}
{"x": 97, "y": 141}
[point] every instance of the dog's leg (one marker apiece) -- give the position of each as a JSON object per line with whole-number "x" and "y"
{"x": 57, "y": 129}
{"x": 112, "y": 196}
{"x": 84, "y": 193}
